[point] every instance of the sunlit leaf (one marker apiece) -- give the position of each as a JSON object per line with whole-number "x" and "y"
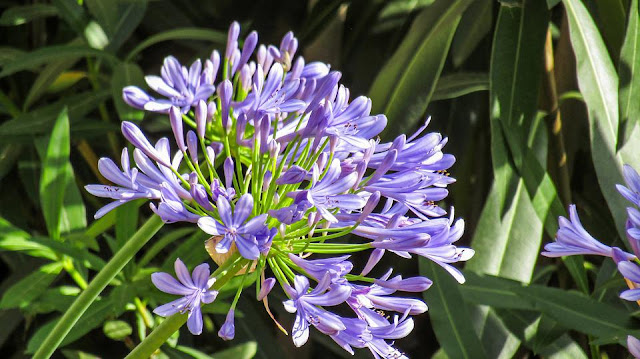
{"x": 629, "y": 72}
{"x": 55, "y": 176}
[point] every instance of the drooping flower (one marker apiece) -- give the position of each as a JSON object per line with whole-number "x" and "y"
{"x": 573, "y": 239}
{"x": 194, "y": 288}
{"x": 228, "y": 329}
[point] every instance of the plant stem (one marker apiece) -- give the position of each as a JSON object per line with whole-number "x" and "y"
{"x": 102, "y": 279}
{"x": 158, "y": 336}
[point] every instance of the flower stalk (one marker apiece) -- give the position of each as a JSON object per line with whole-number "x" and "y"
{"x": 97, "y": 285}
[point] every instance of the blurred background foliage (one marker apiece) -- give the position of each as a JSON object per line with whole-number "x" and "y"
{"x": 531, "y": 93}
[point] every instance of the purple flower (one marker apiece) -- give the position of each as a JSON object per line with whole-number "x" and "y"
{"x": 291, "y": 214}
{"x": 228, "y": 329}
{"x": 194, "y": 289}
{"x": 373, "y": 331}
{"x": 630, "y": 271}
{"x": 131, "y": 184}
{"x": 182, "y": 88}
{"x": 335, "y": 267}
{"x": 377, "y": 296}
{"x": 248, "y": 237}
{"x": 270, "y": 95}
{"x": 171, "y": 209}
{"x": 295, "y": 174}
{"x": 632, "y": 192}
{"x": 265, "y": 288}
{"x": 305, "y": 305}
{"x": 328, "y": 193}
{"x": 633, "y": 345}
{"x": 573, "y": 239}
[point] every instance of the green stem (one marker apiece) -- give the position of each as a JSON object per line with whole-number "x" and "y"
{"x": 102, "y": 279}
{"x": 158, "y": 336}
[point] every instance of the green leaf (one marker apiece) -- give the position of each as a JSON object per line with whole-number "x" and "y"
{"x": 509, "y": 232}
{"x": 611, "y": 18}
{"x": 105, "y": 12}
{"x": 493, "y": 291}
{"x": 449, "y": 315}
{"x": 46, "y": 78}
{"x": 563, "y": 348}
{"x": 320, "y": 15}
{"x": 44, "y": 55}
{"x": 190, "y": 251}
{"x": 186, "y": 33}
{"x": 9, "y": 54}
{"x": 49, "y": 75}
{"x": 55, "y": 177}
{"x": 569, "y": 308}
{"x": 9, "y": 154}
{"x": 576, "y": 311}
{"x": 397, "y": 13}
{"x": 131, "y": 14}
{"x": 73, "y": 14}
{"x": 403, "y": 88}
{"x": 126, "y": 74}
{"x": 162, "y": 242}
{"x": 95, "y": 315}
{"x": 40, "y": 121}
{"x": 629, "y": 72}
{"x": 241, "y": 351}
{"x": 598, "y": 84}
{"x": 19, "y": 15}
{"x": 460, "y": 84}
{"x": 77, "y": 354}
{"x": 183, "y": 352}
{"x": 117, "y": 329}
{"x": 474, "y": 26}
{"x": 54, "y": 299}
{"x": 21, "y": 294}
{"x": 15, "y": 239}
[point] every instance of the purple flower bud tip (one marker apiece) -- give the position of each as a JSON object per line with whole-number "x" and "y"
{"x": 228, "y": 329}
{"x": 633, "y": 344}
{"x": 201, "y": 118}
{"x": 266, "y": 287}
{"x": 135, "y": 97}
{"x": 175, "y": 117}
{"x": 133, "y": 134}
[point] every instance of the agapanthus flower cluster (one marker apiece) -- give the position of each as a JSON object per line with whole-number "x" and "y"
{"x": 279, "y": 164}
{"x": 573, "y": 239}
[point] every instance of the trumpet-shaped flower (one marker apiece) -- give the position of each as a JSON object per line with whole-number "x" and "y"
{"x": 194, "y": 288}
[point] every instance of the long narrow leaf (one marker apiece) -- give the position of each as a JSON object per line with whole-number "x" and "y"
{"x": 55, "y": 177}
{"x": 403, "y": 88}
{"x": 449, "y": 315}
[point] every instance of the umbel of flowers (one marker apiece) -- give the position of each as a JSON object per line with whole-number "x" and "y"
{"x": 279, "y": 164}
